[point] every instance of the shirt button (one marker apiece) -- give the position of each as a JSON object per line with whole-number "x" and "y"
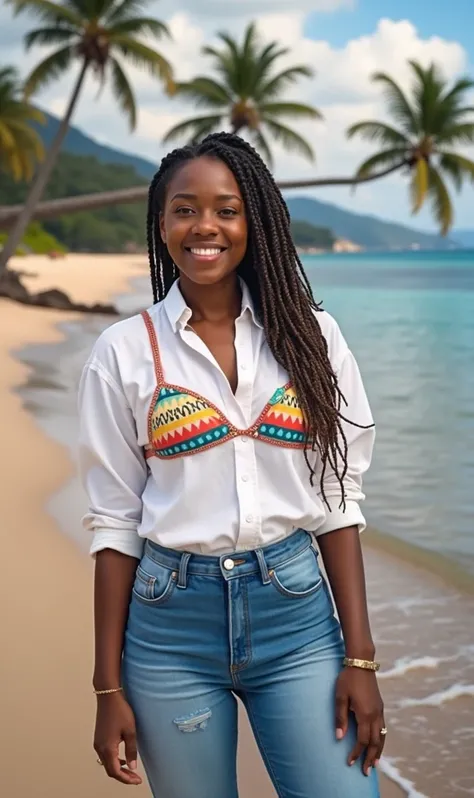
{"x": 229, "y": 564}
{"x": 245, "y": 478}
{"x": 243, "y": 367}
{"x": 244, "y": 439}
{"x": 249, "y": 519}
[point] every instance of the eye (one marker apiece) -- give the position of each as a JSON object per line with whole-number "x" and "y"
{"x": 228, "y": 212}
{"x": 183, "y": 210}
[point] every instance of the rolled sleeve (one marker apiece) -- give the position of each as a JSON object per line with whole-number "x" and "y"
{"x": 112, "y": 465}
{"x": 360, "y": 444}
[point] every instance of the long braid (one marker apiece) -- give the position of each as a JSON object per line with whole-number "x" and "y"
{"x": 279, "y": 287}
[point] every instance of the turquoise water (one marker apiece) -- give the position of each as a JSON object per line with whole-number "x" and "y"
{"x": 409, "y": 319}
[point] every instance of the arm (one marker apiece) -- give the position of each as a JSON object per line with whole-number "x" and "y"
{"x": 114, "y": 473}
{"x": 339, "y": 543}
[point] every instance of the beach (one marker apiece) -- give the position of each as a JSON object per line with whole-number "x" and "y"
{"x": 46, "y": 588}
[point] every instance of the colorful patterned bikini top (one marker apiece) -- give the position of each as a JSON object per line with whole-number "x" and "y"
{"x": 181, "y": 422}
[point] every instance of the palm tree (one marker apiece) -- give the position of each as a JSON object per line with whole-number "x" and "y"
{"x": 20, "y": 144}
{"x": 245, "y": 95}
{"x": 99, "y": 34}
{"x": 429, "y": 124}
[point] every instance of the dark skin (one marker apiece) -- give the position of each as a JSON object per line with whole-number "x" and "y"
{"x": 204, "y": 227}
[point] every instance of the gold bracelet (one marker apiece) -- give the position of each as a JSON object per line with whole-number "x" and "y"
{"x": 107, "y": 692}
{"x": 364, "y": 664}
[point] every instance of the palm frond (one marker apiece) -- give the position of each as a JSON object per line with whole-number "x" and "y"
{"x": 49, "y": 12}
{"x": 291, "y": 140}
{"x": 190, "y": 127}
{"x": 48, "y": 70}
{"x": 50, "y": 35}
{"x": 419, "y": 184}
{"x": 382, "y": 160}
{"x": 142, "y": 56}
{"x": 263, "y": 146}
{"x": 441, "y": 201}
{"x": 123, "y": 9}
{"x": 141, "y": 26}
{"x": 297, "y": 110}
{"x": 379, "y": 131}
{"x": 398, "y": 103}
{"x": 123, "y": 92}
{"x": 278, "y": 83}
{"x": 458, "y": 167}
{"x": 205, "y": 92}
{"x": 462, "y": 133}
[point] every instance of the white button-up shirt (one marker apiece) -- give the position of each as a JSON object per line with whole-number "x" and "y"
{"x": 240, "y": 495}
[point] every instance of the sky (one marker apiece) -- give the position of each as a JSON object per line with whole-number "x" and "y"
{"x": 344, "y": 41}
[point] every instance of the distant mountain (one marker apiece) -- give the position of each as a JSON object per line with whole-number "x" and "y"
{"x": 368, "y": 231}
{"x": 464, "y": 237}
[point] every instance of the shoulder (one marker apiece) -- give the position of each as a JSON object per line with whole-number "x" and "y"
{"x": 337, "y": 345}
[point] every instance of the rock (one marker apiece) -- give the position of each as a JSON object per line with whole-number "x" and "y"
{"x": 12, "y": 288}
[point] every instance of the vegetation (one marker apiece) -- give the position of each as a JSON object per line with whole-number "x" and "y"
{"x": 436, "y": 118}
{"x": 246, "y": 95}
{"x": 20, "y": 144}
{"x": 111, "y": 229}
{"x": 99, "y": 35}
{"x": 308, "y": 235}
{"x": 36, "y": 239}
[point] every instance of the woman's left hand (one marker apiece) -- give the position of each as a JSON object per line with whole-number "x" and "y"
{"x": 357, "y": 691}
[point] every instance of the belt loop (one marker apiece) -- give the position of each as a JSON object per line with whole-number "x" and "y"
{"x": 263, "y": 567}
{"x": 183, "y": 571}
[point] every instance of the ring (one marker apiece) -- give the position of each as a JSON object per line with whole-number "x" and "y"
{"x": 99, "y": 762}
{"x": 383, "y": 731}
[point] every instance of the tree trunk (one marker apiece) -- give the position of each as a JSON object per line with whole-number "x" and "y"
{"x": 103, "y": 199}
{"x": 41, "y": 178}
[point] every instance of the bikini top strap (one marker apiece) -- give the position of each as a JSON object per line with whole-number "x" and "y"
{"x": 154, "y": 347}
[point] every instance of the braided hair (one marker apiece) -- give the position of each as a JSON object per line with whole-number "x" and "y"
{"x": 279, "y": 288}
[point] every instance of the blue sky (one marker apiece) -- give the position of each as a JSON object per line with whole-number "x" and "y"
{"x": 345, "y": 41}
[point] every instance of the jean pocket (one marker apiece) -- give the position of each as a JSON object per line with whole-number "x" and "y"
{"x": 154, "y": 584}
{"x": 298, "y": 577}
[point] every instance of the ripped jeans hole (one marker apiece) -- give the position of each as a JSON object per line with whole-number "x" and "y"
{"x": 194, "y": 722}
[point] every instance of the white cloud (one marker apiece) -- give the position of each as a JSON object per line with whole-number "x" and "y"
{"x": 342, "y": 90}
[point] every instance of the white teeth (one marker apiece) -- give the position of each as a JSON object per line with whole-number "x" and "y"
{"x": 196, "y": 251}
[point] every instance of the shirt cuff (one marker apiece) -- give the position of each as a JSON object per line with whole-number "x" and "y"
{"x": 339, "y": 518}
{"x": 129, "y": 543}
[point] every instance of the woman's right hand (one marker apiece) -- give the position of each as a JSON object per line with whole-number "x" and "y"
{"x": 115, "y": 723}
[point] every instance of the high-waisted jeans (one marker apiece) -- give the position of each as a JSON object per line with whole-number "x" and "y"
{"x": 258, "y": 625}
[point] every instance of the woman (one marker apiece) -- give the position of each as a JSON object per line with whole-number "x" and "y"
{"x": 223, "y": 432}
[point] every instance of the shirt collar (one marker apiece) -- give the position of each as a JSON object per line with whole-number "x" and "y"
{"x": 179, "y": 313}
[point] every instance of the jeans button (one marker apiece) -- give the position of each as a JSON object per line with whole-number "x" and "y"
{"x": 229, "y": 564}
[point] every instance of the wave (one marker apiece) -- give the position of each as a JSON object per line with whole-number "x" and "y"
{"x": 405, "y": 664}
{"x": 437, "y": 699}
{"x": 387, "y": 766}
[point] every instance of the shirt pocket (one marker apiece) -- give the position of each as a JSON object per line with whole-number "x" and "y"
{"x": 298, "y": 577}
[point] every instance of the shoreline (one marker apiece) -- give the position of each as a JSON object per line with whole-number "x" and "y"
{"x": 61, "y": 677}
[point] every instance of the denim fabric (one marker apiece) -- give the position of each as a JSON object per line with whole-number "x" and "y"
{"x": 199, "y": 634}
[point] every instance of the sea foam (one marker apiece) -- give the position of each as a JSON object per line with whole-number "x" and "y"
{"x": 437, "y": 699}
{"x": 387, "y": 766}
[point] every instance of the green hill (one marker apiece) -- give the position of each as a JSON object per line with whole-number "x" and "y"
{"x": 368, "y": 231}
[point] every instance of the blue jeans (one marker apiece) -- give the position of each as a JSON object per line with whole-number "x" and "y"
{"x": 258, "y": 625}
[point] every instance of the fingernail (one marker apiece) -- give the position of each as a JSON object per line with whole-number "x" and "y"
{"x": 133, "y": 765}
{"x": 339, "y": 734}
{"x": 376, "y": 763}
{"x": 351, "y": 762}
{"x": 368, "y": 771}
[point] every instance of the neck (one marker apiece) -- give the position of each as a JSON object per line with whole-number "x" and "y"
{"x": 213, "y": 303}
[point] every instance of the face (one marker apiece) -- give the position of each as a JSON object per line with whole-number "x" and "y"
{"x": 203, "y": 223}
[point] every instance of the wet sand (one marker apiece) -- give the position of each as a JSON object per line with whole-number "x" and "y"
{"x": 46, "y": 580}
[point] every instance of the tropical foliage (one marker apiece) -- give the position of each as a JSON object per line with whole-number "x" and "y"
{"x": 20, "y": 144}
{"x": 246, "y": 95}
{"x": 429, "y": 126}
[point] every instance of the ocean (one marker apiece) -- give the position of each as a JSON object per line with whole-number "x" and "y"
{"x": 409, "y": 319}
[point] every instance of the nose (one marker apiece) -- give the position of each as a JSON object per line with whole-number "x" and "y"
{"x": 205, "y": 225}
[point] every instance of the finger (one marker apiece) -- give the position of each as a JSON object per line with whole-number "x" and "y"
{"x": 342, "y": 716}
{"x": 113, "y": 766}
{"x": 373, "y": 747}
{"x": 363, "y": 740}
{"x": 131, "y": 755}
{"x": 136, "y": 778}
{"x": 381, "y": 744}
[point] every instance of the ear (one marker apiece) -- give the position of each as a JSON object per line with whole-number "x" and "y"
{"x": 161, "y": 222}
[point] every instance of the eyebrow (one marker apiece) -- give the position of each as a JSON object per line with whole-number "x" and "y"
{"x": 194, "y": 197}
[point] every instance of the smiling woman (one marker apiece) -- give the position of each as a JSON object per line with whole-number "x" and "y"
{"x": 216, "y": 458}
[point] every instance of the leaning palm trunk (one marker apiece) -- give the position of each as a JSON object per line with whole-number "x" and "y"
{"x": 42, "y": 176}
{"x": 88, "y": 202}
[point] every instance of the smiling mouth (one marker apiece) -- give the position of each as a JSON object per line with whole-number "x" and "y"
{"x": 206, "y": 252}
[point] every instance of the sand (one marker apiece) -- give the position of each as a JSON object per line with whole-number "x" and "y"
{"x": 47, "y": 707}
